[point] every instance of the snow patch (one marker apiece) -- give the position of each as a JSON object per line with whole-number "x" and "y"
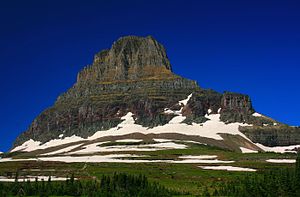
{"x": 179, "y": 118}
{"x": 210, "y": 129}
{"x": 184, "y": 141}
{"x": 198, "y": 157}
{"x": 93, "y": 148}
{"x": 11, "y": 159}
{"x": 162, "y": 140}
{"x": 279, "y": 149}
{"x": 27, "y": 146}
{"x": 228, "y": 168}
{"x": 32, "y": 179}
{"x": 64, "y": 150}
{"x": 113, "y": 158}
{"x": 209, "y": 161}
{"x": 281, "y": 160}
{"x": 257, "y": 114}
{"x": 129, "y": 140}
{"x": 185, "y": 101}
{"x": 209, "y": 111}
{"x": 32, "y": 145}
{"x": 120, "y": 158}
{"x": 246, "y": 150}
{"x": 168, "y": 111}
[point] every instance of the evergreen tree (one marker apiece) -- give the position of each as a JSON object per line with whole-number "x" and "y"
{"x": 297, "y": 173}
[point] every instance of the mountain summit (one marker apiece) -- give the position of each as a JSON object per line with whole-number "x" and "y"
{"x": 132, "y": 83}
{"x": 130, "y": 58}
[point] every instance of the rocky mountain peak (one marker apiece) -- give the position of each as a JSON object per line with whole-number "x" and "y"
{"x": 129, "y": 58}
{"x": 135, "y": 76}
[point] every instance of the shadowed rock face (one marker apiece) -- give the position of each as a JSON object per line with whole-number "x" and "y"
{"x": 236, "y": 108}
{"x": 135, "y": 76}
{"x": 282, "y": 135}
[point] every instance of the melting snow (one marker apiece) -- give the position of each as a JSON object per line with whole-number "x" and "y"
{"x": 185, "y": 101}
{"x": 209, "y": 161}
{"x": 93, "y": 148}
{"x": 129, "y": 140}
{"x": 64, "y": 150}
{"x": 32, "y": 179}
{"x": 279, "y": 149}
{"x": 198, "y": 157}
{"x": 209, "y": 111}
{"x": 31, "y": 145}
{"x": 210, "y": 129}
{"x": 246, "y": 150}
{"x": 257, "y": 114}
{"x": 281, "y": 160}
{"x": 10, "y": 159}
{"x": 228, "y": 168}
{"x": 185, "y": 141}
{"x": 112, "y": 158}
{"x": 219, "y": 110}
{"x": 27, "y": 146}
{"x": 168, "y": 111}
{"x": 162, "y": 140}
{"x": 179, "y": 118}
{"x": 120, "y": 158}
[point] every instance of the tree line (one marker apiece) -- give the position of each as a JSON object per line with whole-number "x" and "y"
{"x": 122, "y": 184}
{"x": 276, "y": 182}
{"x": 271, "y": 183}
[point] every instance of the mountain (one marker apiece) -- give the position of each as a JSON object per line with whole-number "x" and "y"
{"x": 130, "y": 91}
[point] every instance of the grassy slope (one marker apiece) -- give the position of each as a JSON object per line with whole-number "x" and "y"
{"x": 186, "y": 178}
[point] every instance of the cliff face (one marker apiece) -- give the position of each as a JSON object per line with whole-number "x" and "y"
{"x": 282, "y": 135}
{"x": 134, "y": 75}
{"x": 130, "y": 58}
{"x": 236, "y": 108}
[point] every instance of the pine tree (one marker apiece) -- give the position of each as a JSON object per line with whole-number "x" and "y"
{"x": 297, "y": 173}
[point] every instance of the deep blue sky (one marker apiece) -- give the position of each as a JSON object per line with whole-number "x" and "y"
{"x": 252, "y": 47}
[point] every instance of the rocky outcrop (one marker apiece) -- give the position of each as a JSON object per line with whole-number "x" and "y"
{"x": 281, "y": 135}
{"x": 200, "y": 103}
{"x": 236, "y": 108}
{"x": 130, "y": 58}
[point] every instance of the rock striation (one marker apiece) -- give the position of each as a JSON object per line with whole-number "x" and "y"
{"x": 135, "y": 75}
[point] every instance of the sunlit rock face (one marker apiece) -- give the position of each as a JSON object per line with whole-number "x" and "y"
{"x": 135, "y": 75}
{"x": 130, "y": 58}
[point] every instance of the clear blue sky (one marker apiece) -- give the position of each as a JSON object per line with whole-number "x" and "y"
{"x": 252, "y": 47}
